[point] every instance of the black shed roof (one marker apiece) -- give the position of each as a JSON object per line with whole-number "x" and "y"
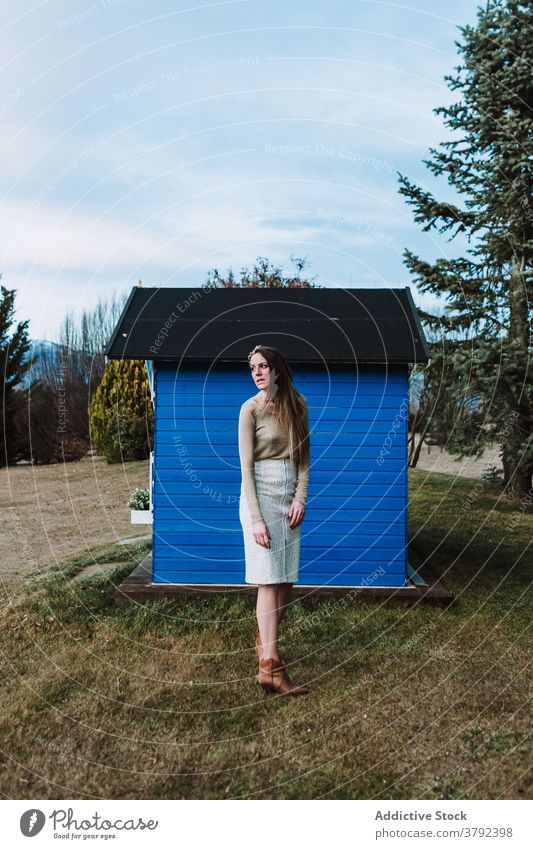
{"x": 307, "y": 324}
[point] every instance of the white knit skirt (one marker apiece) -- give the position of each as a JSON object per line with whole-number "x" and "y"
{"x": 275, "y": 482}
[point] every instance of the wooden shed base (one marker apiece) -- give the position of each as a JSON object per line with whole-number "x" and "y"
{"x": 422, "y": 586}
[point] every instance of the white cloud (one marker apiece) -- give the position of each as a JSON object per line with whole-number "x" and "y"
{"x": 176, "y": 179}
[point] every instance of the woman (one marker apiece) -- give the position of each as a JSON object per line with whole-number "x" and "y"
{"x": 274, "y": 456}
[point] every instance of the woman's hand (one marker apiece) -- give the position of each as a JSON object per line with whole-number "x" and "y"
{"x": 261, "y": 533}
{"x": 296, "y": 513}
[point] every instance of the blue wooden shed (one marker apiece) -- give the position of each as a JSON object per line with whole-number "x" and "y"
{"x": 349, "y": 351}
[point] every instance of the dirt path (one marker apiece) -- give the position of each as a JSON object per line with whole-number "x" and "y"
{"x": 51, "y": 512}
{"x": 434, "y": 459}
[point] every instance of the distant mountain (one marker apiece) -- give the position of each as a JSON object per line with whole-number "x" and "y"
{"x": 40, "y": 350}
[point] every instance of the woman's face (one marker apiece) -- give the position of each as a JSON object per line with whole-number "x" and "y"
{"x": 260, "y": 371}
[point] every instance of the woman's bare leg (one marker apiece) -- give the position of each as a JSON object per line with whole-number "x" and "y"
{"x": 284, "y": 598}
{"x": 267, "y": 619}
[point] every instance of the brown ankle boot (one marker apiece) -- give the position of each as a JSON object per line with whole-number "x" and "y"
{"x": 272, "y": 675}
{"x": 259, "y": 646}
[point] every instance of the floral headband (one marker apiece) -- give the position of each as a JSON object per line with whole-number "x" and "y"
{"x": 254, "y": 350}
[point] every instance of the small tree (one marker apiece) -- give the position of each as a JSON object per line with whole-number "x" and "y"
{"x": 45, "y": 432}
{"x": 263, "y": 275}
{"x": 13, "y": 366}
{"x": 55, "y": 423}
{"x": 121, "y": 413}
{"x": 448, "y": 414}
{"x": 83, "y": 338}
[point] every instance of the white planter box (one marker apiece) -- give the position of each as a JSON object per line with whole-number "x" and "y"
{"x": 141, "y": 517}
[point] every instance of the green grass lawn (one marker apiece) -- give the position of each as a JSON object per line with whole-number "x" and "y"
{"x": 159, "y": 700}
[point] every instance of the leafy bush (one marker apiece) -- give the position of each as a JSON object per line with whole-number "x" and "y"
{"x": 139, "y": 499}
{"x": 43, "y": 436}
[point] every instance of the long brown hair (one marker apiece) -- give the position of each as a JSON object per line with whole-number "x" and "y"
{"x": 287, "y": 403}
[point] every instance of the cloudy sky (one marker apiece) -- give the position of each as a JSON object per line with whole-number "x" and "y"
{"x": 155, "y": 142}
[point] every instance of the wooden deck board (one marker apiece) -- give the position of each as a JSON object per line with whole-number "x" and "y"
{"x": 138, "y": 585}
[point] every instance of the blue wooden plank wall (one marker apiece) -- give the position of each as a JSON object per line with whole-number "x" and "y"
{"x": 355, "y": 527}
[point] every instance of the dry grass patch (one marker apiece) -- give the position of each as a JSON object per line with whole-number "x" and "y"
{"x": 159, "y": 699}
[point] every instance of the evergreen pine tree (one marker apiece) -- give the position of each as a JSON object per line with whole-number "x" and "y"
{"x": 489, "y": 161}
{"x": 13, "y": 365}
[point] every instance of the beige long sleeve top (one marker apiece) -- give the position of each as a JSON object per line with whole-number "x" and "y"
{"x": 262, "y": 438}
